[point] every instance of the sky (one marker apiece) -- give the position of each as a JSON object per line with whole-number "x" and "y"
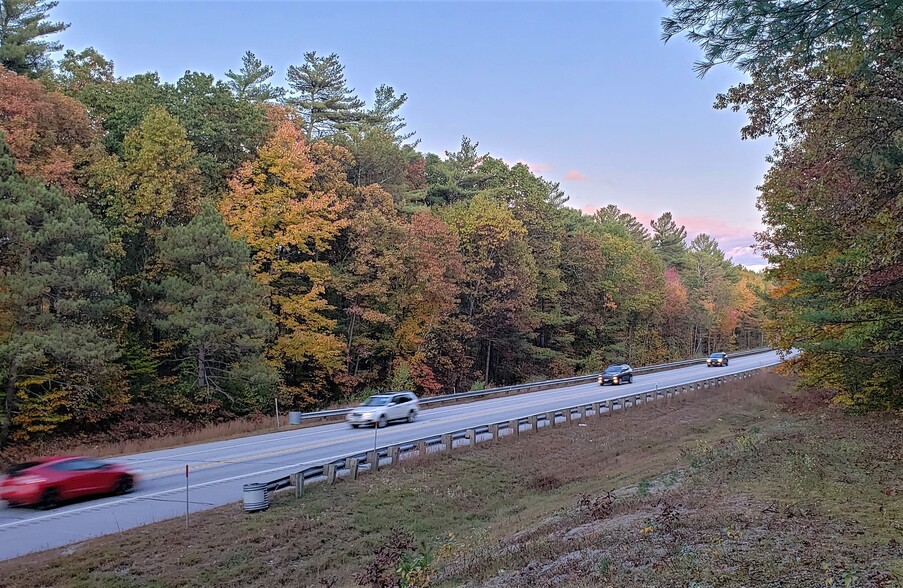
{"x": 585, "y": 93}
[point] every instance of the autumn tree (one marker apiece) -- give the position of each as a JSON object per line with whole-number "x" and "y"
{"x": 286, "y": 205}
{"x": 84, "y": 71}
{"x": 499, "y": 284}
{"x": 156, "y": 179}
{"x": 56, "y": 297}
{"x": 322, "y": 96}
{"x": 24, "y": 26}
{"x": 48, "y": 133}
{"x": 211, "y": 304}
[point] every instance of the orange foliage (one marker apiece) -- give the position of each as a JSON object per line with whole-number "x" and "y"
{"x": 48, "y": 133}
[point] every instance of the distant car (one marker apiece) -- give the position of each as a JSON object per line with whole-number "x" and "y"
{"x": 381, "y": 409}
{"x": 717, "y": 359}
{"x": 616, "y": 374}
{"x": 50, "y": 481}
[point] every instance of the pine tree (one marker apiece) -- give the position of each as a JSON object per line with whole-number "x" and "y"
{"x": 384, "y": 114}
{"x": 213, "y": 306}
{"x": 322, "y": 95}
{"x": 56, "y": 296}
{"x": 669, "y": 241}
{"x": 250, "y": 81}
{"x": 23, "y": 24}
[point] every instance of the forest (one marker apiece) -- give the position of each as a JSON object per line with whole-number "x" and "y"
{"x": 208, "y": 245}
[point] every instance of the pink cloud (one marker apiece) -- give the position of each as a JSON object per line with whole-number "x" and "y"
{"x": 575, "y": 176}
{"x": 536, "y": 167}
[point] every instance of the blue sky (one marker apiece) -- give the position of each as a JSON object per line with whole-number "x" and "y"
{"x": 584, "y": 92}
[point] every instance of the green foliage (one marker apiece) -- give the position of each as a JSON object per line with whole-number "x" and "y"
{"x": 250, "y": 83}
{"x": 23, "y": 26}
{"x": 56, "y": 299}
{"x": 322, "y": 95}
{"x": 212, "y": 305}
{"x": 825, "y": 80}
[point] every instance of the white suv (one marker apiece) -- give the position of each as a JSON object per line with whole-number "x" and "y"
{"x": 381, "y": 409}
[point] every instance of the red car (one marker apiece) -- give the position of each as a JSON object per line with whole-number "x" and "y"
{"x": 49, "y": 481}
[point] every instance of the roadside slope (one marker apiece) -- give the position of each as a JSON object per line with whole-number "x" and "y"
{"x": 735, "y": 486}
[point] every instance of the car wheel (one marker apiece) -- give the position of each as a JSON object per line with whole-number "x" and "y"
{"x": 411, "y": 416}
{"x": 630, "y": 380}
{"x": 725, "y": 363}
{"x": 354, "y": 426}
{"x": 124, "y": 485}
{"x": 383, "y": 422}
{"x": 50, "y": 499}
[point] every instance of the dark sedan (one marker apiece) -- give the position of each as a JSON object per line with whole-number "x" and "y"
{"x": 616, "y": 374}
{"x": 717, "y": 359}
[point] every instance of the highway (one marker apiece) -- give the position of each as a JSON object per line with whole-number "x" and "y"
{"x": 217, "y": 470}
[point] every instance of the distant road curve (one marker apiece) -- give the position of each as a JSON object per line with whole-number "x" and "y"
{"x": 217, "y": 470}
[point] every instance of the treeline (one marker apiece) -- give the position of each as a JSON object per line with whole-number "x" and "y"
{"x": 211, "y": 244}
{"x": 826, "y": 81}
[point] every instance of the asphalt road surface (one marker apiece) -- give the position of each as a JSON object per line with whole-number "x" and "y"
{"x": 218, "y": 470}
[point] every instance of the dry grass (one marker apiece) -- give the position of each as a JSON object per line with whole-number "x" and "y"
{"x": 726, "y": 489}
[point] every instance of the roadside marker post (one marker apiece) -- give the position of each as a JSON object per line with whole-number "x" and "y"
{"x": 186, "y": 496}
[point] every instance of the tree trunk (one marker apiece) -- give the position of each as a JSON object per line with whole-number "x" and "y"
{"x": 6, "y": 423}
{"x": 488, "y": 354}
{"x": 202, "y": 368}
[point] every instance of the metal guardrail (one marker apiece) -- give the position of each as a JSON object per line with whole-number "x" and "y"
{"x": 371, "y": 460}
{"x": 506, "y": 390}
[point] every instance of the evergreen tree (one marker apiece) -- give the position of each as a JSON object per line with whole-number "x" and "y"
{"x": 322, "y": 95}
{"x": 56, "y": 296}
{"x": 384, "y": 115}
{"x": 23, "y": 24}
{"x": 669, "y": 241}
{"x": 250, "y": 83}
{"x": 213, "y": 306}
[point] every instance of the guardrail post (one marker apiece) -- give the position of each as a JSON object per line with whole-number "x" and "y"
{"x": 373, "y": 460}
{"x": 471, "y": 437}
{"x": 597, "y": 408}
{"x": 635, "y": 398}
{"x": 297, "y": 480}
{"x": 494, "y": 432}
{"x": 394, "y": 451}
{"x": 422, "y": 448}
{"x": 514, "y": 424}
{"x": 534, "y": 423}
{"x": 352, "y": 468}
{"x": 568, "y": 416}
{"x": 609, "y": 407}
{"x": 331, "y": 473}
{"x": 550, "y": 418}
{"x": 447, "y": 442}
{"x": 581, "y": 410}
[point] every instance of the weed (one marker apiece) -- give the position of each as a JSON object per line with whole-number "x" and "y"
{"x": 643, "y": 487}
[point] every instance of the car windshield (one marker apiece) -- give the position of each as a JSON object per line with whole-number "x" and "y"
{"x": 613, "y": 369}
{"x": 376, "y": 401}
{"x": 717, "y": 355}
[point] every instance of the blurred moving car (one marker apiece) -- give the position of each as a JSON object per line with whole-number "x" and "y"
{"x": 717, "y": 359}
{"x": 50, "y": 481}
{"x": 616, "y": 374}
{"x": 381, "y": 409}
